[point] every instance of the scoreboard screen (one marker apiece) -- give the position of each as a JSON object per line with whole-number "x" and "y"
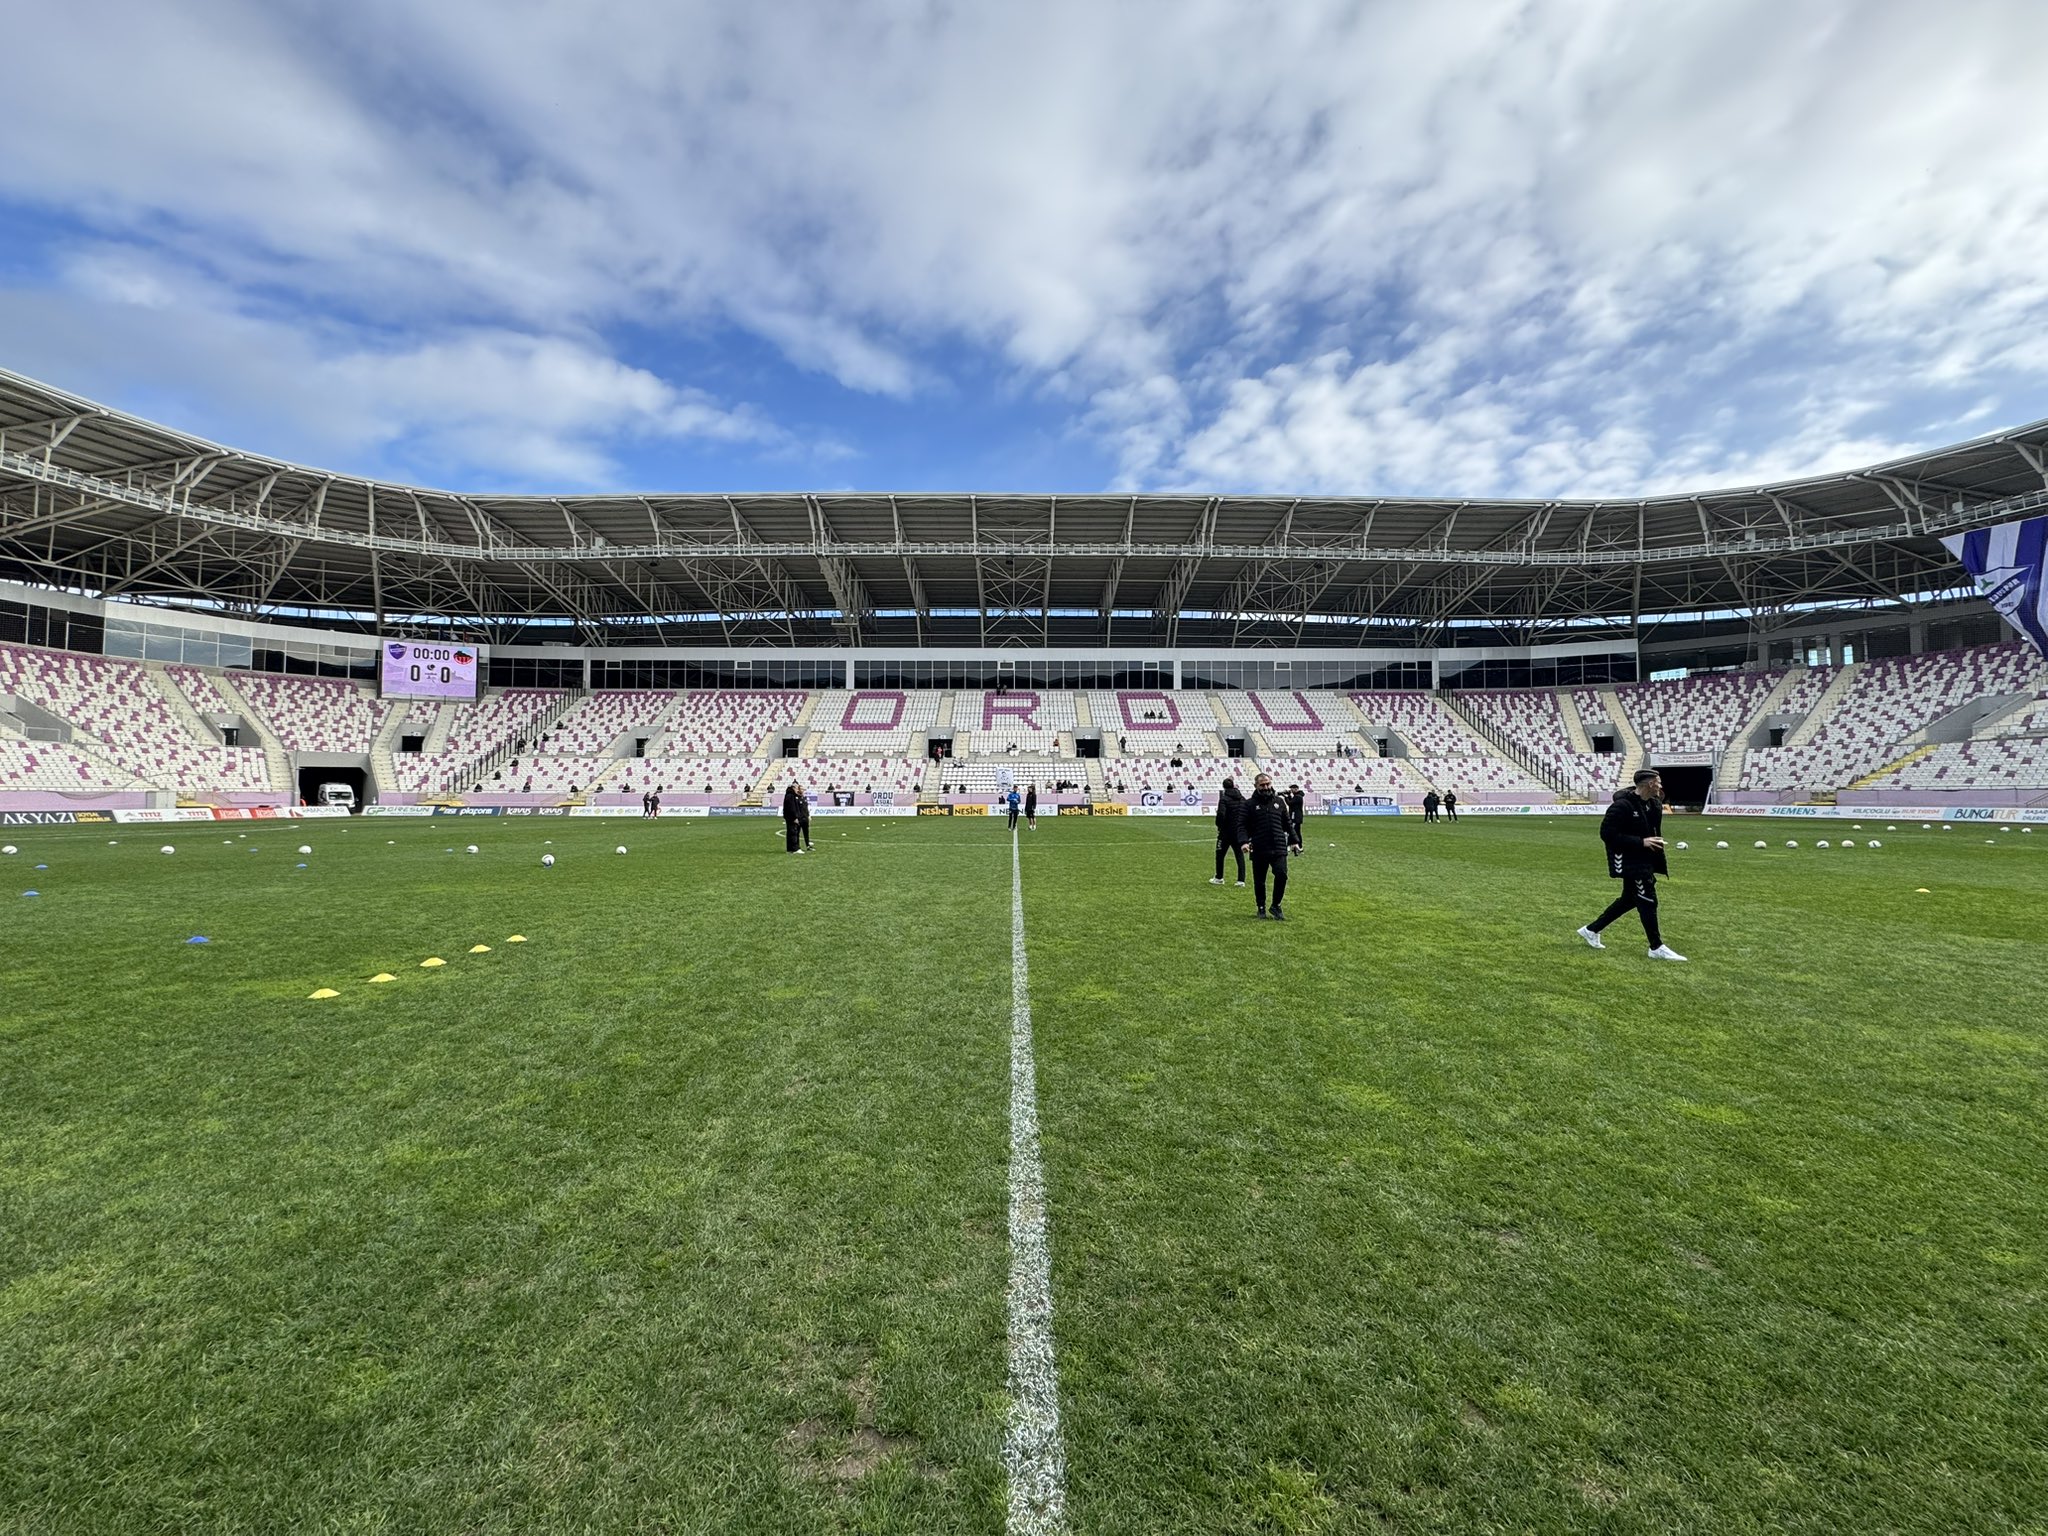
{"x": 417, "y": 669}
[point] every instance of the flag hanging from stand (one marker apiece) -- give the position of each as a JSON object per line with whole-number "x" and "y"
{"x": 2007, "y": 562}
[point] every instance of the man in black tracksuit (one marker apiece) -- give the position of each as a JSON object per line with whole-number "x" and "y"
{"x": 1429, "y": 805}
{"x": 1632, "y": 831}
{"x": 1297, "y": 807}
{"x": 1229, "y": 805}
{"x": 1451, "y": 804}
{"x": 1265, "y": 830}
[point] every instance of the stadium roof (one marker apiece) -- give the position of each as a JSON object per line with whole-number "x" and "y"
{"x": 93, "y": 499}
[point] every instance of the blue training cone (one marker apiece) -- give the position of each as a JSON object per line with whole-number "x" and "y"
{"x": 199, "y": 938}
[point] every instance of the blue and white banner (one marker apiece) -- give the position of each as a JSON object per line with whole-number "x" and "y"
{"x": 2007, "y": 562}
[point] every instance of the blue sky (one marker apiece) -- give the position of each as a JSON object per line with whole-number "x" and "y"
{"x": 1473, "y": 248}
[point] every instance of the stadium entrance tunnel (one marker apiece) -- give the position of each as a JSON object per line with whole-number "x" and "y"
{"x": 1687, "y": 786}
{"x": 310, "y": 780}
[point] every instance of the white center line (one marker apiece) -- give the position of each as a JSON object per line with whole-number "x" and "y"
{"x": 1033, "y": 1453}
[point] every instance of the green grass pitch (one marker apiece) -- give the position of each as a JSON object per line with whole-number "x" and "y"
{"x": 688, "y": 1214}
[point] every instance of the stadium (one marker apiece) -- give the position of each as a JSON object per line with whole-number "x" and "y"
{"x": 415, "y": 1126}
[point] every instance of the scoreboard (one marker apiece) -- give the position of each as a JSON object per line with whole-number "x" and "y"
{"x": 426, "y": 670}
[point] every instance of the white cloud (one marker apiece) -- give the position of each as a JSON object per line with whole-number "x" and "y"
{"x": 1488, "y": 246}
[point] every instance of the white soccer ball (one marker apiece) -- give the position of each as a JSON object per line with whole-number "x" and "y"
{"x": 1848, "y": 842}
{"x": 1681, "y": 846}
{"x": 1760, "y": 842}
{"x": 1791, "y": 843}
{"x": 305, "y": 848}
{"x": 1857, "y": 828}
{"x": 167, "y": 848}
{"x": 620, "y": 849}
{"x": 1991, "y": 842}
{"x": 547, "y": 861}
{"x": 470, "y": 849}
{"x": 1720, "y": 845}
{"x": 1890, "y": 828}
{"x": 1822, "y": 843}
{"x": 1926, "y": 826}
{"x": 10, "y": 849}
{"x": 1875, "y": 843}
{"x": 1946, "y": 827}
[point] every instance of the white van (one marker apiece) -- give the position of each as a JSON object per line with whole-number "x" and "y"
{"x": 336, "y": 794}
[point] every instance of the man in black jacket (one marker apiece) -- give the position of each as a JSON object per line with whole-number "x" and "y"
{"x": 1450, "y": 805}
{"x": 794, "y": 815}
{"x": 1632, "y": 831}
{"x": 1265, "y": 830}
{"x": 1297, "y": 807}
{"x": 1229, "y": 806}
{"x": 1429, "y": 805}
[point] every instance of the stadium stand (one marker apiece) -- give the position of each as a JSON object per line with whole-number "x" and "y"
{"x": 872, "y": 722}
{"x": 1700, "y": 713}
{"x": 727, "y": 722}
{"x": 1880, "y": 706}
{"x": 684, "y": 775}
{"x": 314, "y": 714}
{"x": 596, "y": 725}
{"x": 1443, "y": 749}
{"x": 129, "y": 720}
{"x": 1298, "y": 724}
{"x": 861, "y": 775}
{"x": 474, "y": 731}
{"x": 1025, "y": 719}
{"x": 1533, "y": 719}
{"x": 1154, "y": 722}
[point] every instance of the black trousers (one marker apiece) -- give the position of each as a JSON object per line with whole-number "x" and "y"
{"x": 1639, "y": 892}
{"x": 1277, "y": 863}
{"x": 1429, "y": 813}
{"x": 1013, "y": 818}
{"x": 1451, "y": 811}
{"x": 789, "y": 834}
{"x": 1223, "y": 842}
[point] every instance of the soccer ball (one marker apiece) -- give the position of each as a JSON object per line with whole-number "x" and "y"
{"x": 547, "y": 861}
{"x": 1681, "y": 847}
{"x": 1760, "y": 842}
{"x": 470, "y": 849}
{"x": 1822, "y": 843}
{"x": 1890, "y": 828}
{"x": 1875, "y": 843}
{"x": 10, "y": 850}
{"x": 1847, "y": 843}
{"x": 304, "y": 848}
{"x": 1926, "y": 826}
{"x": 1720, "y": 845}
{"x": 1791, "y": 843}
{"x": 167, "y": 848}
{"x": 620, "y": 849}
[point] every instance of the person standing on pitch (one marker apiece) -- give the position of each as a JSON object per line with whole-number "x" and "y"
{"x": 1031, "y": 807}
{"x": 1632, "y": 830}
{"x": 1297, "y": 808}
{"x": 1265, "y": 830}
{"x": 1429, "y": 805}
{"x": 792, "y": 818}
{"x": 1015, "y": 802}
{"x": 803, "y": 816}
{"x": 1229, "y": 811}
{"x": 1451, "y": 804}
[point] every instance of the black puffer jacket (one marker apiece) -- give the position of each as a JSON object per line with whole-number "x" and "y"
{"x": 1629, "y": 820}
{"x": 1229, "y": 807}
{"x": 794, "y": 810}
{"x": 1266, "y": 823}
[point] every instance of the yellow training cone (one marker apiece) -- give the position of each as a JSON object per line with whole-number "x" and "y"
{"x": 431, "y": 961}
{"x": 479, "y": 949}
{"x": 517, "y": 938}
{"x": 383, "y": 976}
{"x": 1921, "y": 890}
{"x": 324, "y": 992}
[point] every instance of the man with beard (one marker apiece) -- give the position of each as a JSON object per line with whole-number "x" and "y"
{"x": 1229, "y": 807}
{"x": 1265, "y": 830}
{"x": 1632, "y": 831}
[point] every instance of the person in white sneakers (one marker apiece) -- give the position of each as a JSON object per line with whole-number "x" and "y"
{"x": 1632, "y": 831}
{"x": 1229, "y": 806}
